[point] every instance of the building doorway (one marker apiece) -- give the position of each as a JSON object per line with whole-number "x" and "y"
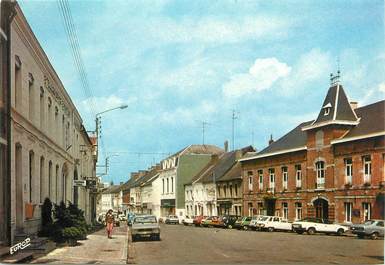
{"x": 76, "y": 188}
{"x": 270, "y": 207}
{"x": 321, "y": 208}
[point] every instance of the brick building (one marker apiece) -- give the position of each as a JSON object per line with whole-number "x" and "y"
{"x": 332, "y": 167}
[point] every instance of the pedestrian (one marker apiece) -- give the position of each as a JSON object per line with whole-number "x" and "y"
{"x": 109, "y": 223}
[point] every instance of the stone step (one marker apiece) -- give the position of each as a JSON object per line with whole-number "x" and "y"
{"x": 44, "y": 248}
{"x": 17, "y": 257}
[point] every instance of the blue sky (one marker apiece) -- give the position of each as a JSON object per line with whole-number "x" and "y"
{"x": 177, "y": 63}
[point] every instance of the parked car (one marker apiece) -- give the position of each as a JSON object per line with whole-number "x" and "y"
{"x": 243, "y": 223}
{"x": 145, "y": 226}
{"x": 313, "y": 225}
{"x": 210, "y": 221}
{"x": 188, "y": 220}
{"x": 172, "y": 219}
{"x": 229, "y": 221}
{"x": 198, "y": 220}
{"x": 116, "y": 219}
{"x": 271, "y": 223}
{"x": 371, "y": 228}
{"x": 253, "y": 223}
{"x": 122, "y": 217}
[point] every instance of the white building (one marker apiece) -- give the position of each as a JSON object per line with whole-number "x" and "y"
{"x": 50, "y": 147}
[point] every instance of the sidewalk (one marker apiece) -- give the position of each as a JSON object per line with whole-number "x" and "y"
{"x": 96, "y": 249}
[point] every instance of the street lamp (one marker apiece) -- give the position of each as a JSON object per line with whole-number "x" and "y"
{"x": 97, "y": 121}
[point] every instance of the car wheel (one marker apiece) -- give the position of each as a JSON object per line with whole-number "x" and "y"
{"x": 299, "y": 232}
{"x": 374, "y": 236}
{"x": 245, "y": 227}
{"x": 270, "y": 229}
{"x": 361, "y": 236}
{"x": 229, "y": 226}
{"x": 311, "y": 231}
{"x": 340, "y": 232}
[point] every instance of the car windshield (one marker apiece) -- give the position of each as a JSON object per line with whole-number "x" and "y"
{"x": 264, "y": 218}
{"x": 145, "y": 219}
{"x": 369, "y": 222}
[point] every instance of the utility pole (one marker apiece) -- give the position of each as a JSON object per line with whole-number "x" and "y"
{"x": 233, "y": 117}
{"x": 204, "y": 123}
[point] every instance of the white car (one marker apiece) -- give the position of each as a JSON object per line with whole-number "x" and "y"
{"x": 271, "y": 223}
{"x": 313, "y": 225}
{"x": 172, "y": 219}
{"x": 253, "y": 223}
{"x": 188, "y": 220}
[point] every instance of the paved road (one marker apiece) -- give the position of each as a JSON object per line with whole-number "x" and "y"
{"x": 96, "y": 249}
{"x": 180, "y": 244}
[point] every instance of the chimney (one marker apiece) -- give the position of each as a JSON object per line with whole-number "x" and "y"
{"x": 271, "y": 139}
{"x": 354, "y": 104}
{"x": 226, "y": 146}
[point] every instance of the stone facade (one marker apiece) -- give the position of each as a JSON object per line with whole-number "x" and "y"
{"x": 50, "y": 146}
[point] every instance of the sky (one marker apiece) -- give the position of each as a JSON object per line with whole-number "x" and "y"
{"x": 177, "y": 64}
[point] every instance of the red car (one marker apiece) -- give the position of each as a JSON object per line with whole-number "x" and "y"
{"x": 198, "y": 219}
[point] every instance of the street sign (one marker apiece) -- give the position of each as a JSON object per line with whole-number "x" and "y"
{"x": 79, "y": 183}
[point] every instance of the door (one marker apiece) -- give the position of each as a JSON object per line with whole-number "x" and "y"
{"x": 270, "y": 207}
{"x": 322, "y": 208}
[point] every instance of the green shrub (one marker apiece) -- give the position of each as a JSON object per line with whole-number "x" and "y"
{"x": 71, "y": 233}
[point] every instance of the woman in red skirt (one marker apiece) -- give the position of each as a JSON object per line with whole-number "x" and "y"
{"x": 109, "y": 223}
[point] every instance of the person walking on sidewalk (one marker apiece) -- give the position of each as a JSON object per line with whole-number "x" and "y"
{"x": 109, "y": 223}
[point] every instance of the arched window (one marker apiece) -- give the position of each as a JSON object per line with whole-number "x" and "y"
{"x": 31, "y": 173}
{"x": 50, "y": 180}
{"x": 41, "y": 179}
{"x": 57, "y": 184}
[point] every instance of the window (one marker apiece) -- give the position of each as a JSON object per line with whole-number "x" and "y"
{"x": 250, "y": 177}
{"x": 167, "y": 185}
{"x": 298, "y": 176}
{"x": 326, "y": 111}
{"x": 272, "y": 178}
{"x": 57, "y": 184}
{"x": 320, "y": 168}
{"x": 260, "y": 176}
{"x": 260, "y": 208}
{"x": 18, "y": 86}
{"x": 298, "y": 211}
{"x": 163, "y": 186}
{"x": 172, "y": 184}
{"x": 41, "y": 178}
{"x": 348, "y": 170}
{"x": 41, "y": 110}
{"x": 250, "y": 206}
{"x": 367, "y": 168}
{"x": 236, "y": 190}
{"x": 285, "y": 211}
{"x": 31, "y": 97}
{"x": 49, "y": 114}
{"x": 225, "y": 191}
{"x": 284, "y": 178}
{"x": 367, "y": 210}
{"x": 50, "y": 180}
{"x": 348, "y": 212}
{"x": 31, "y": 173}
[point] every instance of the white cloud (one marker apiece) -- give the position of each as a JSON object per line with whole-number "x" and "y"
{"x": 312, "y": 66}
{"x": 381, "y": 87}
{"x": 261, "y": 76}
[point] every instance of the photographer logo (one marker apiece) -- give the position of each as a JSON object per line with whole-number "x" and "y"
{"x": 20, "y": 245}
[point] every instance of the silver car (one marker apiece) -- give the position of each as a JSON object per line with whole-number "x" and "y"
{"x": 145, "y": 226}
{"x": 371, "y": 228}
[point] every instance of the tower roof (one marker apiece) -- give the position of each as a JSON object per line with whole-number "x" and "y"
{"x": 335, "y": 109}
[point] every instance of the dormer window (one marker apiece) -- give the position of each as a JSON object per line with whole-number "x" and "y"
{"x": 327, "y": 108}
